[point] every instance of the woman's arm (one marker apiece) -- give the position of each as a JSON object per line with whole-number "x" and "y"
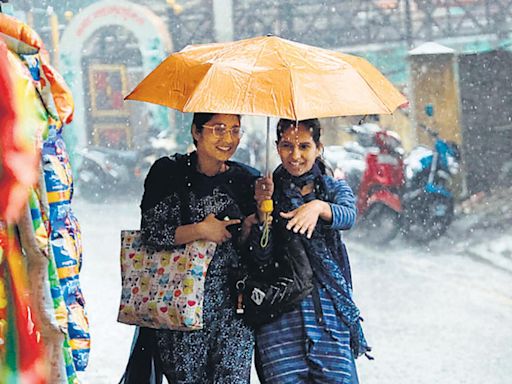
{"x": 209, "y": 229}
{"x": 342, "y": 203}
{"x": 339, "y": 211}
{"x": 161, "y": 207}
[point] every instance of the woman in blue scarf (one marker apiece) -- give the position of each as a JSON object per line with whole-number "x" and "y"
{"x": 318, "y": 340}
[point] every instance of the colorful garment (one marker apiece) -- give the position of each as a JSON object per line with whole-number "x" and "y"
{"x": 62, "y": 366}
{"x": 40, "y": 98}
{"x": 221, "y": 352}
{"x": 65, "y": 236}
{"x": 66, "y": 243}
{"x": 317, "y": 342}
{"x": 21, "y": 351}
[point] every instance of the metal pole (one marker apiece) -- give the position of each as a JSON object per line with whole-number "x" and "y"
{"x": 267, "y": 154}
{"x": 408, "y": 25}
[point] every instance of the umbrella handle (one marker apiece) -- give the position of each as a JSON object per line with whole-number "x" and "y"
{"x": 266, "y": 207}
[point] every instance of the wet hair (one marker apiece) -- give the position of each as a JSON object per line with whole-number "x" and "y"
{"x": 201, "y": 119}
{"x": 314, "y": 127}
{"x": 312, "y": 124}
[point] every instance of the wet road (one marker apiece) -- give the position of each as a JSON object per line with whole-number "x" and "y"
{"x": 433, "y": 315}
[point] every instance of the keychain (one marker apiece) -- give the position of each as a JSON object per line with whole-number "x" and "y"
{"x": 240, "y": 286}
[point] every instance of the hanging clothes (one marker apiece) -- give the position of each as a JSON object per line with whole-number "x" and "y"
{"x": 44, "y": 103}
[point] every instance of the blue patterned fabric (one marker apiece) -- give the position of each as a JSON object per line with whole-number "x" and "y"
{"x": 297, "y": 349}
{"x": 65, "y": 238}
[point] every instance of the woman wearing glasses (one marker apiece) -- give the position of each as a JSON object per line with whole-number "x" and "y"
{"x": 201, "y": 195}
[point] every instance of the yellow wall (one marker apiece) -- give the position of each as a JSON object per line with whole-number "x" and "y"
{"x": 433, "y": 81}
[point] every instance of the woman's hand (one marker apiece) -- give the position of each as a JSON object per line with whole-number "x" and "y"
{"x": 263, "y": 190}
{"x": 215, "y": 230}
{"x": 303, "y": 219}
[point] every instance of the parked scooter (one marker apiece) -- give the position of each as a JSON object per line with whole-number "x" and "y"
{"x": 378, "y": 196}
{"x": 428, "y": 199}
{"x": 375, "y": 172}
{"x": 106, "y": 171}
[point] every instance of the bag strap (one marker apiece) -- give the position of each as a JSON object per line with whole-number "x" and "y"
{"x": 315, "y": 293}
{"x": 184, "y": 197}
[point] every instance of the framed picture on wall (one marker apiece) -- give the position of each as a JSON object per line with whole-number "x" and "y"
{"x": 107, "y": 87}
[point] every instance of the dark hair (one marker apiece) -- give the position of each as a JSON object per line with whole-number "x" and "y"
{"x": 200, "y": 119}
{"x": 312, "y": 124}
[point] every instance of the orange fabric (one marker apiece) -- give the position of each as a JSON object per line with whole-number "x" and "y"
{"x": 18, "y": 30}
{"x": 268, "y": 76}
{"x": 61, "y": 93}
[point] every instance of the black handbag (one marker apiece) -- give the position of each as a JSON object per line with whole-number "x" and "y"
{"x": 264, "y": 292}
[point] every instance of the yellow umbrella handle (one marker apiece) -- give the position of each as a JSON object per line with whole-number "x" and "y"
{"x": 266, "y": 206}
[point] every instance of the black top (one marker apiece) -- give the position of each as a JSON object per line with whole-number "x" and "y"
{"x": 175, "y": 193}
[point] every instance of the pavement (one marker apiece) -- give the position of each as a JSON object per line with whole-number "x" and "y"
{"x": 481, "y": 229}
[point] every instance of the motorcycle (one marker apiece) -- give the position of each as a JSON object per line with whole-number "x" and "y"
{"x": 428, "y": 199}
{"x": 107, "y": 171}
{"x": 376, "y": 175}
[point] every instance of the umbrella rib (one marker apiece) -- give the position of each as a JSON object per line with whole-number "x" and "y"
{"x": 373, "y": 90}
{"x": 246, "y": 90}
{"x": 376, "y": 95}
{"x": 292, "y": 90}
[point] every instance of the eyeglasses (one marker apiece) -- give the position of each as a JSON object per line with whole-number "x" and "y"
{"x": 220, "y": 130}
{"x": 286, "y": 146}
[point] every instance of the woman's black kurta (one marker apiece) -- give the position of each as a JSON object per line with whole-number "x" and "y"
{"x": 177, "y": 194}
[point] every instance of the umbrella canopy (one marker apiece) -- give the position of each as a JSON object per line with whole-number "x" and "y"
{"x": 268, "y": 76}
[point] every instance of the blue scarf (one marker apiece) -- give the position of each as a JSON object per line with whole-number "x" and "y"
{"x": 325, "y": 248}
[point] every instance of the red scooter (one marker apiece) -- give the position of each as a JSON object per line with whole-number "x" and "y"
{"x": 378, "y": 195}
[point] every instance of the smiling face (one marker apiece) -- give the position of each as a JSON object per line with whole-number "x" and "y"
{"x": 210, "y": 146}
{"x": 297, "y": 150}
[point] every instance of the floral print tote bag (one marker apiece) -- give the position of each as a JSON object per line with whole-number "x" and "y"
{"x": 164, "y": 289}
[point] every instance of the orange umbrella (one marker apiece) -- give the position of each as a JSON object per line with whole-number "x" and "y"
{"x": 268, "y": 76}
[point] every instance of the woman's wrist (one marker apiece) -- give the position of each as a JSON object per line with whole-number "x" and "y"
{"x": 199, "y": 230}
{"x": 325, "y": 210}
